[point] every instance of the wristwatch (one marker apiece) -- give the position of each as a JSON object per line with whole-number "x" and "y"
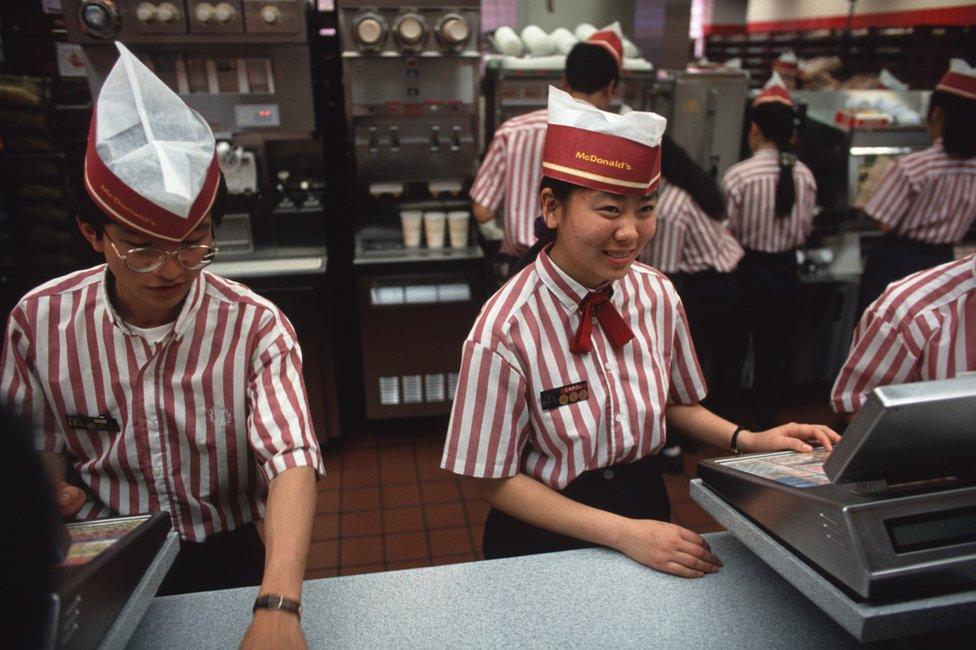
{"x": 734, "y": 443}
{"x": 277, "y": 601}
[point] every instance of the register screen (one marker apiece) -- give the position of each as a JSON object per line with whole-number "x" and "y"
{"x": 795, "y": 469}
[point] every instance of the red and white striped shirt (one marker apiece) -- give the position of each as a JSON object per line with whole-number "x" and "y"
{"x": 927, "y": 196}
{"x": 512, "y": 170}
{"x": 750, "y": 189}
{"x": 205, "y": 416}
{"x": 921, "y": 328}
{"x": 687, "y": 240}
{"x": 519, "y": 348}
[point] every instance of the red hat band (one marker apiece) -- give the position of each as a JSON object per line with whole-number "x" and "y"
{"x": 958, "y": 84}
{"x": 131, "y": 209}
{"x": 774, "y": 94}
{"x": 600, "y": 161}
{"x": 611, "y": 42}
{"x": 786, "y": 67}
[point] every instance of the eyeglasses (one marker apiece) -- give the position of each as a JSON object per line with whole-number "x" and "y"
{"x": 147, "y": 259}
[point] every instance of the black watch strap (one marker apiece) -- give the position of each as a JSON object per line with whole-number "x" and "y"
{"x": 734, "y": 444}
{"x": 276, "y": 601}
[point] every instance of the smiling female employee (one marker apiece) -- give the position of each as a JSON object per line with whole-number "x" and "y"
{"x": 926, "y": 200}
{"x": 770, "y": 206}
{"x": 573, "y": 366}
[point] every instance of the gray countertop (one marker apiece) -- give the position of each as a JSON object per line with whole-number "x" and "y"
{"x": 588, "y": 598}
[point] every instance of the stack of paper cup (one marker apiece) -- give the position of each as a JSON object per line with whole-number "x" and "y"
{"x": 410, "y": 220}
{"x": 457, "y": 224}
{"x": 564, "y": 39}
{"x": 434, "y": 227}
{"x": 538, "y": 41}
{"x": 508, "y": 42}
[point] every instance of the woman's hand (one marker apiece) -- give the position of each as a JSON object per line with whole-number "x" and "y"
{"x": 791, "y": 436}
{"x": 667, "y": 547}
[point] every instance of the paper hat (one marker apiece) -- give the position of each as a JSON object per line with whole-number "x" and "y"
{"x": 889, "y": 81}
{"x": 786, "y": 63}
{"x": 959, "y": 80}
{"x": 151, "y": 162}
{"x": 774, "y": 91}
{"x": 612, "y": 38}
{"x": 600, "y": 150}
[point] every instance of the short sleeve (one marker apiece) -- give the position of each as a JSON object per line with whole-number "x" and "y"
{"x": 488, "y": 188}
{"x": 490, "y": 419}
{"x": 21, "y": 388}
{"x": 280, "y": 429}
{"x": 687, "y": 381}
{"x": 733, "y": 204}
{"x": 880, "y": 355}
{"x": 894, "y": 195}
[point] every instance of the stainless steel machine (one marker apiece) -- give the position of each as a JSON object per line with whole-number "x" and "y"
{"x": 246, "y": 67}
{"x": 411, "y": 74}
{"x": 891, "y": 513}
{"x": 705, "y": 111}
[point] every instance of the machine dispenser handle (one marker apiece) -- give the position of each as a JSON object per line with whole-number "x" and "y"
{"x": 394, "y": 138}
{"x": 374, "y": 141}
{"x": 455, "y": 139}
{"x": 435, "y": 135}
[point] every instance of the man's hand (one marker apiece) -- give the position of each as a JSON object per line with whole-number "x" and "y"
{"x": 274, "y": 629}
{"x": 70, "y": 500}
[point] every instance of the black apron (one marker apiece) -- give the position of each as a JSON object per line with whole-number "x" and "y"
{"x": 223, "y": 561}
{"x": 893, "y": 258}
{"x": 712, "y": 303}
{"x": 768, "y": 283}
{"x": 634, "y": 490}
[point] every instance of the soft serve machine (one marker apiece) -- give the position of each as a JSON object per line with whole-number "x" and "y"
{"x": 411, "y": 74}
{"x": 246, "y": 67}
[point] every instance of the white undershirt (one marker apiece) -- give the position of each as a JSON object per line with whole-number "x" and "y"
{"x": 153, "y": 335}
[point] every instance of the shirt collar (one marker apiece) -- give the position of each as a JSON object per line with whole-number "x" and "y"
{"x": 766, "y": 151}
{"x": 567, "y": 290}
{"x": 190, "y": 305}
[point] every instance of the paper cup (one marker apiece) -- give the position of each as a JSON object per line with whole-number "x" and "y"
{"x": 410, "y": 220}
{"x": 434, "y": 227}
{"x": 538, "y": 41}
{"x": 508, "y": 42}
{"x": 457, "y": 228}
{"x": 564, "y": 40}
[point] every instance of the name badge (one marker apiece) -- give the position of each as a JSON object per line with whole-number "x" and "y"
{"x": 93, "y": 423}
{"x": 564, "y": 396}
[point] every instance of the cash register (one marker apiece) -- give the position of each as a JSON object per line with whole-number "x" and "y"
{"x": 890, "y": 514}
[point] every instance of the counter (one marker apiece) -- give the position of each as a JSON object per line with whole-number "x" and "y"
{"x": 587, "y": 598}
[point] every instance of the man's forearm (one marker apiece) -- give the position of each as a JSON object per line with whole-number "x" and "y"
{"x": 288, "y": 531}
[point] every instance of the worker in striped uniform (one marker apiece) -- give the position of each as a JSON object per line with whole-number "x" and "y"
{"x": 926, "y": 201}
{"x": 694, "y": 247}
{"x": 512, "y": 167}
{"x": 922, "y": 328}
{"x": 155, "y": 386}
{"x": 770, "y": 200}
{"x": 576, "y": 366}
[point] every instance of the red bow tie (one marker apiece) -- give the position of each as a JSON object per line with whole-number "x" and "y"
{"x": 597, "y": 303}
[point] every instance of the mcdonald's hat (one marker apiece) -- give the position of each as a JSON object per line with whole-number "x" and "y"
{"x": 151, "y": 162}
{"x": 611, "y": 37}
{"x": 960, "y": 79}
{"x": 774, "y": 91}
{"x": 786, "y": 63}
{"x": 603, "y": 151}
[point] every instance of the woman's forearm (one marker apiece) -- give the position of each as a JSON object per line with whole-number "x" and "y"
{"x": 696, "y": 421}
{"x": 537, "y": 504}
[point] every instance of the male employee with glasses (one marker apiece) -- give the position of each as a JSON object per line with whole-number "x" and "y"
{"x": 163, "y": 387}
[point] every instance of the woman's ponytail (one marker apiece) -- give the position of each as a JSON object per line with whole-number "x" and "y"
{"x": 776, "y": 121}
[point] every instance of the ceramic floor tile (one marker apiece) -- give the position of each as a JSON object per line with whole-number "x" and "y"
{"x": 454, "y": 559}
{"x": 362, "y": 568}
{"x": 361, "y": 550}
{"x": 360, "y": 499}
{"x": 393, "y": 473}
{"x": 440, "y": 491}
{"x": 325, "y": 526}
{"x": 408, "y": 564}
{"x": 365, "y": 476}
{"x": 449, "y": 541}
{"x": 328, "y": 502}
{"x": 403, "y": 520}
{"x": 444, "y": 515}
{"x": 395, "y": 496}
{"x": 406, "y": 546}
{"x": 357, "y": 524}
{"x": 315, "y": 574}
{"x": 477, "y": 510}
{"x": 323, "y": 555}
